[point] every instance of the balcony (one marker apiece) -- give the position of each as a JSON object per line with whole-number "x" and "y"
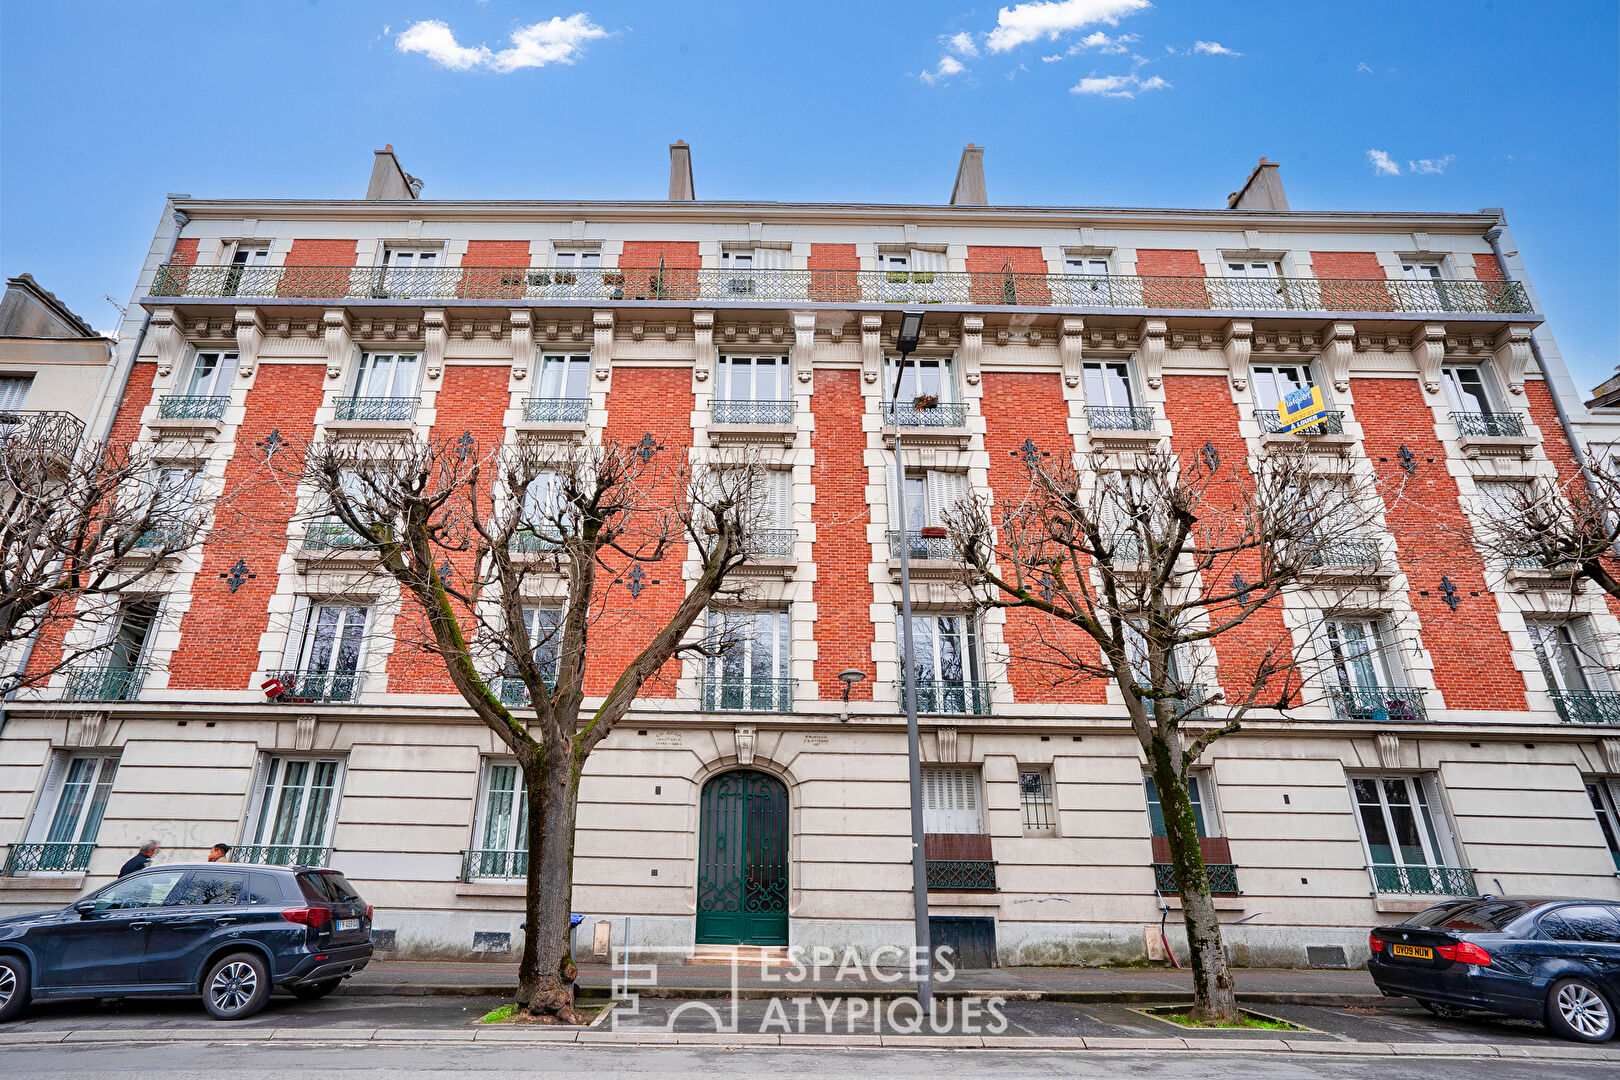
{"x": 192, "y": 406}
{"x": 1331, "y": 423}
{"x": 164, "y": 536}
{"x": 513, "y": 692}
{"x": 1494, "y": 434}
{"x": 1118, "y": 427}
{"x": 362, "y": 415}
{"x": 106, "y": 682}
{"x": 48, "y": 858}
{"x": 948, "y": 697}
{"x": 1345, "y": 557}
{"x": 53, "y": 435}
{"x": 1378, "y": 704}
{"x": 304, "y": 687}
{"x": 281, "y": 854}
{"x": 717, "y": 694}
{"x": 1115, "y": 292}
{"x": 549, "y": 410}
{"x": 931, "y": 542}
{"x": 1587, "y": 706}
{"x": 911, "y": 415}
{"x": 959, "y": 862}
{"x": 330, "y": 536}
{"x": 1423, "y": 880}
{"x": 752, "y": 421}
{"x": 1222, "y": 878}
{"x": 493, "y": 864}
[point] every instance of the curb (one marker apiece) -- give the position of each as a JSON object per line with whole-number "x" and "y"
{"x": 588, "y": 1037}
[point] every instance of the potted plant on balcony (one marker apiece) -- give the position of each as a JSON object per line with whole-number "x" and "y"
{"x": 933, "y": 532}
{"x": 925, "y": 401}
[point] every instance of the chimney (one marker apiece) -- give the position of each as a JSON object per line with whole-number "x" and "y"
{"x": 1262, "y": 191}
{"x": 969, "y": 188}
{"x": 389, "y": 180}
{"x": 680, "y": 172}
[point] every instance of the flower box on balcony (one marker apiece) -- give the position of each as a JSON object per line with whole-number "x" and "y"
{"x": 933, "y": 532}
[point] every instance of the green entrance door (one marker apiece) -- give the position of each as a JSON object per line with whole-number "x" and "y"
{"x": 743, "y": 861}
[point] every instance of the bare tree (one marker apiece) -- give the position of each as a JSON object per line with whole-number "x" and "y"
{"x": 81, "y": 526}
{"x": 473, "y": 541}
{"x": 1133, "y": 574}
{"x": 1567, "y": 530}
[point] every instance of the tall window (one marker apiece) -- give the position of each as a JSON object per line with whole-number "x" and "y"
{"x": 329, "y": 648}
{"x": 297, "y": 808}
{"x": 565, "y": 377}
{"x": 753, "y": 671}
{"x": 1108, "y": 383}
{"x": 1273, "y": 382}
{"x": 1427, "y": 279}
{"x": 543, "y": 625}
{"x": 1606, "y": 806}
{"x": 1362, "y": 672}
{"x": 753, "y": 390}
{"x": 502, "y": 828}
{"x": 928, "y": 376}
{"x": 63, "y": 831}
{"x": 120, "y": 665}
{"x": 1203, "y": 816}
{"x": 569, "y": 258}
{"x": 386, "y": 375}
{"x": 1253, "y": 268}
{"x": 1035, "y": 797}
{"x": 210, "y": 374}
{"x": 245, "y": 258}
{"x": 406, "y": 258}
{"x": 1468, "y": 389}
{"x": 946, "y": 668}
{"x": 1408, "y": 840}
{"x": 931, "y": 495}
{"x": 1575, "y": 672}
{"x": 1089, "y": 265}
{"x": 545, "y": 521}
{"x": 774, "y": 535}
{"x": 951, "y": 800}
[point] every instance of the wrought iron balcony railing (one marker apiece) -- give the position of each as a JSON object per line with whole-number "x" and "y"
{"x": 1119, "y": 418}
{"x": 281, "y": 854}
{"x": 48, "y": 858}
{"x": 964, "y": 875}
{"x": 543, "y": 410}
{"x": 1587, "y": 706}
{"x": 1425, "y": 880}
{"x": 1379, "y": 704}
{"x": 1222, "y": 878}
{"x": 775, "y": 413}
{"x": 1535, "y": 562}
{"x": 526, "y": 541}
{"x": 909, "y": 414}
{"x": 718, "y": 694}
{"x": 165, "y": 536}
{"x": 387, "y": 409}
{"x": 1196, "y": 696}
{"x": 922, "y": 546}
{"x": 192, "y": 406}
{"x": 1332, "y": 423}
{"x": 484, "y": 864}
{"x": 514, "y": 692}
{"x": 51, "y": 432}
{"x": 948, "y": 696}
{"x": 1348, "y": 552}
{"x": 1495, "y": 425}
{"x": 105, "y": 682}
{"x": 718, "y": 285}
{"x": 771, "y": 543}
{"x": 304, "y": 686}
{"x": 329, "y": 536}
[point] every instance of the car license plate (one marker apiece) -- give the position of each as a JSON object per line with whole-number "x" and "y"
{"x": 354, "y": 924}
{"x": 1416, "y": 952}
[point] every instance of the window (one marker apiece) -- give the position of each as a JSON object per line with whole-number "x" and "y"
{"x": 753, "y": 671}
{"x": 405, "y": 258}
{"x": 1089, "y": 265}
{"x": 1108, "y": 383}
{"x": 931, "y": 495}
{"x": 773, "y": 536}
{"x": 748, "y": 259}
{"x": 1414, "y": 270}
{"x": 910, "y": 275}
{"x": 65, "y": 824}
{"x": 1468, "y": 389}
{"x": 145, "y": 891}
{"x": 950, "y": 798}
{"x": 565, "y": 377}
{"x": 946, "y": 668}
{"x": 296, "y": 810}
{"x": 927, "y": 376}
{"x": 1272, "y": 383}
{"x": 118, "y": 667}
{"x": 132, "y": 641}
{"x": 1405, "y": 832}
{"x": 1363, "y": 675}
{"x": 1180, "y": 665}
{"x": 1593, "y": 923}
{"x": 210, "y": 374}
{"x": 501, "y": 830}
{"x": 546, "y": 519}
{"x": 386, "y": 375}
{"x": 543, "y": 625}
{"x": 1035, "y": 796}
{"x": 1606, "y": 807}
{"x": 1568, "y": 655}
{"x": 753, "y": 390}
{"x": 576, "y": 258}
{"x": 13, "y": 391}
{"x": 246, "y": 258}
{"x": 329, "y": 647}
{"x": 1426, "y": 283}
{"x": 1253, "y": 268}
{"x": 1204, "y": 817}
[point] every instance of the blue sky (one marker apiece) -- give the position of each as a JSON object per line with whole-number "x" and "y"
{"x": 106, "y": 107}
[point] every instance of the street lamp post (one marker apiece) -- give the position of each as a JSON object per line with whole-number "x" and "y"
{"x": 906, "y": 342}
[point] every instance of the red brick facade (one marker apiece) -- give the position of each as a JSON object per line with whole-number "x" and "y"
{"x": 494, "y": 269}
{"x": 842, "y": 552}
{"x": 832, "y": 276}
{"x": 1008, "y": 275}
{"x": 1154, "y": 262}
{"x": 319, "y": 254}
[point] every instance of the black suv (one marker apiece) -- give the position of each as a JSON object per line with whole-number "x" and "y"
{"x": 223, "y": 930}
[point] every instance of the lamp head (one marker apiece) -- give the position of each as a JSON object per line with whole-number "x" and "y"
{"x": 910, "y": 331}
{"x": 849, "y": 677}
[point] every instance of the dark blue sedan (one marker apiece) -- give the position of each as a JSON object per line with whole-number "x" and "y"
{"x": 1554, "y": 960}
{"x": 226, "y": 931}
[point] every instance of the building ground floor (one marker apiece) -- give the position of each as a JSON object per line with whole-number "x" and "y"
{"x": 1044, "y": 840}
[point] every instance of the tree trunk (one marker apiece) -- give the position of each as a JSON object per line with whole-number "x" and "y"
{"x": 1214, "y": 998}
{"x": 546, "y": 973}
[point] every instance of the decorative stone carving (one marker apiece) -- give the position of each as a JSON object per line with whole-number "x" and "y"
{"x": 304, "y": 733}
{"x": 1428, "y": 348}
{"x": 703, "y": 341}
{"x": 972, "y": 350}
{"x": 339, "y": 333}
{"x": 602, "y": 347}
{"x": 745, "y": 745}
{"x": 90, "y": 728}
{"x": 947, "y": 746}
{"x": 871, "y": 347}
{"x": 1336, "y": 351}
{"x": 804, "y": 345}
{"x": 1389, "y": 750}
{"x": 1239, "y": 341}
{"x": 1611, "y": 754}
{"x": 433, "y": 334}
{"x": 169, "y": 334}
{"x": 1150, "y": 354}
{"x": 1071, "y": 340}
{"x": 522, "y": 342}
{"x": 1512, "y": 356}
{"x": 249, "y": 333}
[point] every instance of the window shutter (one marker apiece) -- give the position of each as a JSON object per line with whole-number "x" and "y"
{"x": 944, "y": 490}
{"x": 780, "y": 493}
{"x": 771, "y": 258}
{"x": 293, "y": 651}
{"x": 1591, "y": 659}
{"x": 893, "y": 485}
{"x": 256, "y": 799}
{"x": 928, "y": 261}
{"x": 45, "y": 809}
{"x": 13, "y": 389}
{"x": 951, "y": 800}
{"x": 1448, "y": 854}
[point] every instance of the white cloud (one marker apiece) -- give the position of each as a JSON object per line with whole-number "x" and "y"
{"x": 1119, "y": 86}
{"x": 1430, "y": 165}
{"x": 962, "y": 44}
{"x": 1103, "y": 43}
{"x": 558, "y": 41}
{"x": 1026, "y": 22}
{"x": 1213, "y": 48}
{"x": 1383, "y": 164}
{"x": 948, "y": 66}
{"x": 1054, "y": 58}
{"x": 1363, "y": 66}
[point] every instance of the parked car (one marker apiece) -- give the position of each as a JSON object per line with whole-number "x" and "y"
{"x": 223, "y": 930}
{"x": 1551, "y": 959}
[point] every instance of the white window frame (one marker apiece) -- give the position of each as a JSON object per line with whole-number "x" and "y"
{"x": 1044, "y": 796}
{"x": 559, "y": 373}
{"x": 411, "y": 257}
{"x": 113, "y": 631}
{"x": 1339, "y": 665}
{"x": 576, "y": 257}
{"x": 1273, "y": 376}
{"x": 543, "y": 638}
{"x": 513, "y": 837}
{"x": 214, "y": 383}
{"x": 1107, "y": 386}
{"x": 1202, "y": 791}
{"x": 270, "y": 782}
{"x": 1435, "y": 836}
{"x": 1604, "y": 792}
{"x": 1243, "y": 266}
{"x": 929, "y": 494}
{"x": 967, "y": 635}
{"x": 939, "y": 371}
{"x": 953, "y": 799}
{"x": 770, "y": 628}
{"x": 371, "y": 362}
{"x": 1417, "y": 268}
{"x": 14, "y": 388}
{"x": 42, "y": 822}
{"x": 1451, "y": 378}
{"x": 247, "y": 254}
{"x": 1575, "y": 644}
{"x": 1088, "y": 265}
{"x": 302, "y": 639}
{"x": 731, "y": 366}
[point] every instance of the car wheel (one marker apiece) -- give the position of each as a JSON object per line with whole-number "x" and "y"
{"x": 1444, "y": 1012}
{"x": 1576, "y": 1009}
{"x": 13, "y": 986}
{"x": 311, "y": 991}
{"x": 236, "y": 987}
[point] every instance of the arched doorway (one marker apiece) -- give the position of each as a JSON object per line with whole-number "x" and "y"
{"x": 742, "y": 890}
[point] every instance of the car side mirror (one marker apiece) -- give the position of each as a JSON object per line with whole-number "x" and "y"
{"x": 85, "y": 907}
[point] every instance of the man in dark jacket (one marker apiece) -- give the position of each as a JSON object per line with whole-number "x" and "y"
{"x": 142, "y": 857}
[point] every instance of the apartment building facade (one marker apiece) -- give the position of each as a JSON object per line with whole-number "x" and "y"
{"x": 1463, "y": 737}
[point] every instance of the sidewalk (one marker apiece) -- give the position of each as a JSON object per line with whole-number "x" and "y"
{"x": 1132, "y": 985}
